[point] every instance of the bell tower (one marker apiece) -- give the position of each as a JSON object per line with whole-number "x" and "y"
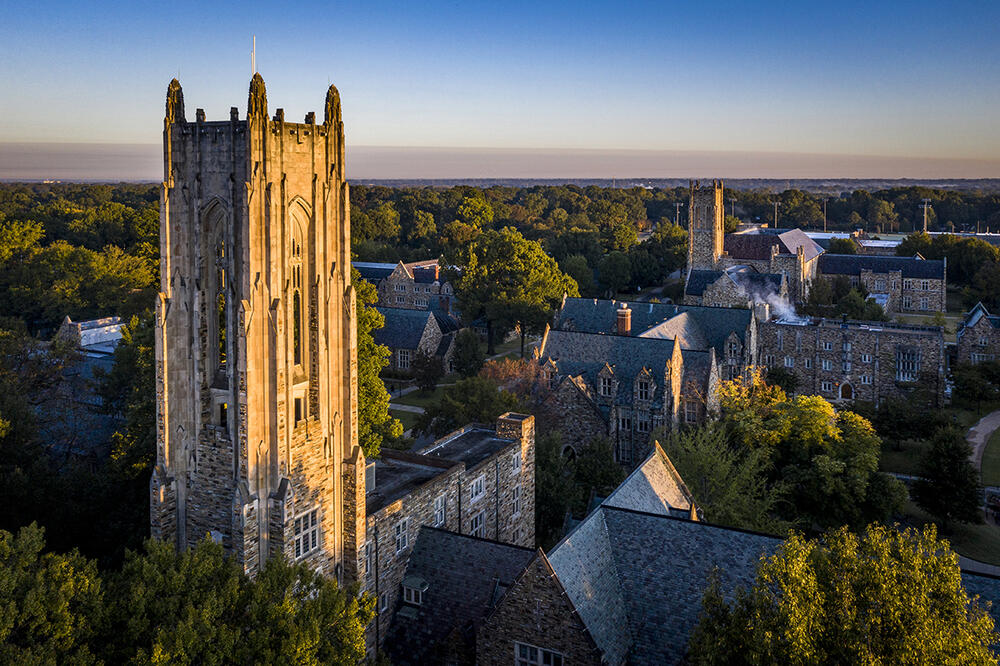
{"x": 706, "y": 228}
{"x": 256, "y": 366}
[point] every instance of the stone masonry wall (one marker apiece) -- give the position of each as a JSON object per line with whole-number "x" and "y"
{"x": 535, "y": 612}
{"x": 979, "y": 343}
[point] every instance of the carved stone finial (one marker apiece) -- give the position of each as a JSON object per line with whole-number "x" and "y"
{"x": 257, "y": 99}
{"x": 175, "y": 102}
{"x": 331, "y": 113}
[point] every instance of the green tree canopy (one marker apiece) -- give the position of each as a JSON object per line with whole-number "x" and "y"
{"x": 470, "y": 400}
{"x": 948, "y": 487}
{"x": 884, "y": 597}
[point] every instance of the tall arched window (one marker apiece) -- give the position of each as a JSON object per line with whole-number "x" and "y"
{"x": 297, "y": 310}
{"x": 220, "y": 300}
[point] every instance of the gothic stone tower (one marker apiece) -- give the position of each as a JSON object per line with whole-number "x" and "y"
{"x": 256, "y": 366}
{"x": 706, "y": 230}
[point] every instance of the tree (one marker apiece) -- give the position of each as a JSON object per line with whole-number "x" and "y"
{"x": 595, "y": 472}
{"x": 615, "y": 272}
{"x": 842, "y": 246}
{"x": 427, "y": 369}
{"x": 51, "y": 602}
{"x": 468, "y": 356}
{"x": 510, "y": 281}
{"x": 884, "y": 597}
{"x": 948, "y": 487}
{"x": 470, "y": 400}
{"x": 519, "y": 376}
{"x": 385, "y": 220}
{"x": 554, "y": 488}
{"x": 374, "y": 422}
{"x": 476, "y": 212}
{"x": 196, "y": 606}
{"x": 576, "y": 267}
{"x": 730, "y": 484}
{"x": 784, "y": 378}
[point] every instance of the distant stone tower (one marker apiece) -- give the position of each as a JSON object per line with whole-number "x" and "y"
{"x": 256, "y": 366}
{"x": 706, "y": 228}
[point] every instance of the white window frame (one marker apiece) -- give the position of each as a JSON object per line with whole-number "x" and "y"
{"x": 477, "y": 525}
{"x": 383, "y": 602}
{"x": 526, "y": 654}
{"x": 827, "y": 345}
{"x": 924, "y": 303}
{"x": 477, "y": 489}
{"x": 306, "y": 533}
{"x": 643, "y": 390}
{"x": 827, "y": 364}
{"x": 866, "y": 358}
{"x": 516, "y": 500}
{"x": 369, "y": 561}
{"x": 440, "y": 510}
{"x": 826, "y": 386}
{"x": 400, "y": 300}
{"x": 515, "y": 462}
{"x": 403, "y": 359}
{"x": 412, "y": 595}
{"x": 925, "y": 285}
{"x": 606, "y": 389}
{"x": 401, "y": 533}
{"x": 845, "y": 367}
{"x": 808, "y": 362}
{"x": 789, "y": 361}
{"x": 866, "y": 379}
{"x": 907, "y": 303}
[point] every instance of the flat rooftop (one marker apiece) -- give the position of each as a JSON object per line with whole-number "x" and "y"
{"x": 470, "y": 445}
{"x": 397, "y": 475}
{"x": 853, "y": 324}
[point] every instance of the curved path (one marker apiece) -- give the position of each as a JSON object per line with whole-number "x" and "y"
{"x": 979, "y": 435}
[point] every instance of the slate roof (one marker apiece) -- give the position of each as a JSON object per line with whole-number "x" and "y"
{"x": 586, "y": 354}
{"x": 979, "y": 312}
{"x": 593, "y": 315}
{"x": 853, "y": 264}
{"x": 466, "y": 577}
{"x": 372, "y": 271}
{"x": 655, "y": 486}
{"x": 757, "y": 243}
{"x": 403, "y": 328}
{"x": 637, "y": 578}
{"x": 752, "y": 282}
{"x": 446, "y": 322}
{"x": 699, "y": 280}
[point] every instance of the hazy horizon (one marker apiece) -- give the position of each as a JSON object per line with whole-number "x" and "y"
{"x": 143, "y": 163}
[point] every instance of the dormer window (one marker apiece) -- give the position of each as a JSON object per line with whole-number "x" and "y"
{"x": 606, "y": 387}
{"x": 644, "y": 390}
{"x": 413, "y": 590}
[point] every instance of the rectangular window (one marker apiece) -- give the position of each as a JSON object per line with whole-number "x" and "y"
{"x": 846, "y": 346}
{"x": 642, "y": 423}
{"x": 403, "y": 359}
{"x": 515, "y": 463}
{"x": 516, "y": 503}
{"x": 984, "y": 342}
{"x": 401, "y": 533}
{"x": 827, "y": 364}
{"x": 383, "y": 602}
{"x": 907, "y": 303}
{"x": 827, "y": 346}
{"x": 866, "y": 358}
{"x": 643, "y": 390}
{"x": 768, "y": 360}
{"x": 439, "y": 514}
{"x": 400, "y": 300}
{"x": 478, "y": 489}
{"x": 789, "y": 362}
{"x": 808, "y": 363}
{"x": 924, "y": 303}
{"x": 306, "y": 533}
{"x": 529, "y": 655}
{"x": 981, "y": 358}
{"x": 866, "y": 379}
{"x": 798, "y": 341}
{"x": 606, "y": 386}
{"x": 879, "y": 285}
{"x": 907, "y": 365}
{"x": 907, "y": 284}
{"x": 826, "y": 386}
{"x": 846, "y": 367}
{"x": 925, "y": 285}
{"x": 690, "y": 412}
{"x": 781, "y": 340}
{"x": 298, "y": 410}
{"x": 412, "y": 595}
{"x": 515, "y": 535}
{"x": 476, "y": 525}
{"x": 734, "y": 349}
{"x": 624, "y": 423}
{"x": 369, "y": 562}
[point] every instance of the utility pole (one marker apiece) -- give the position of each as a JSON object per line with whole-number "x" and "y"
{"x": 926, "y": 205}
{"x": 677, "y": 212}
{"x": 824, "y": 213}
{"x": 776, "y": 204}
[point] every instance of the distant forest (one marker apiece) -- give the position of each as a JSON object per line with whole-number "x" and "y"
{"x": 92, "y": 250}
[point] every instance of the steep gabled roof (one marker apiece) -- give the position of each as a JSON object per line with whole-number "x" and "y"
{"x": 978, "y": 312}
{"x": 756, "y": 244}
{"x": 699, "y": 280}
{"x": 465, "y": 577}
{"x": 594, "y": 315}
{"x": 404, "y": 329}
{"x": 653, "y": 487}
{"x": 853, "y": 264}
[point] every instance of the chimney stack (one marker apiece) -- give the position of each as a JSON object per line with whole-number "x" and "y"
{"x": 624, "y": 320}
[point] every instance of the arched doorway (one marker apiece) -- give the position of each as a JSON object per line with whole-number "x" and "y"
{"x": 569, "y": 453}
{"x": 846, "y": 391}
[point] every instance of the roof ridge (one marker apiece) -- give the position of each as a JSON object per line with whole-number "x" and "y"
{"x": 474, "y": 538}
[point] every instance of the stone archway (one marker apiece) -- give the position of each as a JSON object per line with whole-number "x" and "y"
{"x": 846, "y": 391}
{"x": 569, "y": 453}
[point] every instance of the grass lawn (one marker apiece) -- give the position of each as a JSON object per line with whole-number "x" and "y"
{"x": 991, "y": 461}
{"x": 966, "y": 416}
{"x": 979, "y": 542}
{"x": 906, "y": 461}
{"x": 419, "y": 398}
{"x": 408, "y": 419}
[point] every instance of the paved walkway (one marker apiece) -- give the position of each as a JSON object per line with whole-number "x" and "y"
{"x": 975, "y": 566}
{"x": 406, "y": 408}
{"x": 979, "y": 435}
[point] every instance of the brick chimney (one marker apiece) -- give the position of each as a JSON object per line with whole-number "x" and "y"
{"x": 624, "y": 320}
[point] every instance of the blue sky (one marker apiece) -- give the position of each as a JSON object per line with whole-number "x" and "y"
{"x": 913, "y": 79}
